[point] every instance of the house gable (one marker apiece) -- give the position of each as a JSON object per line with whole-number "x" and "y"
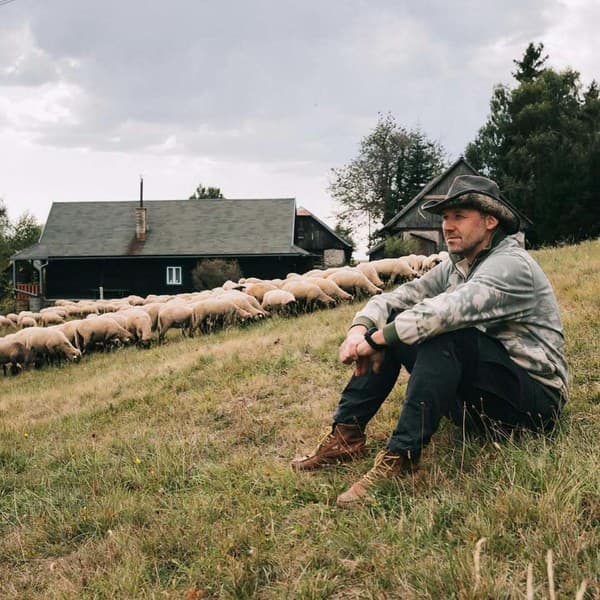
{"x": 317, "y": 237}
{"x": 412, "y": 217}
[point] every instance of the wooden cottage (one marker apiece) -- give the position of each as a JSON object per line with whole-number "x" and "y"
{"x": 114, "y": 249}
{"x": 319, "y": 239}
{"x": 423, "y": 228}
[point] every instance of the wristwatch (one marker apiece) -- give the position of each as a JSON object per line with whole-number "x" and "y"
{"x": 369, "y": 339}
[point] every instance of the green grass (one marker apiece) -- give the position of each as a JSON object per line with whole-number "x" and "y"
{"x": 164, "y": 474}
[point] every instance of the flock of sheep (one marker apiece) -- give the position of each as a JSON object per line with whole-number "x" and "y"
{"x": 68, "y": 329}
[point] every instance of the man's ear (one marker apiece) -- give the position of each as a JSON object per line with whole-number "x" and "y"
{"x": 491, "y": 222}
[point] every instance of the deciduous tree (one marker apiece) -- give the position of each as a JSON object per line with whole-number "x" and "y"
{"x": 15, "y": 237}
{"x": 392, "y": 165}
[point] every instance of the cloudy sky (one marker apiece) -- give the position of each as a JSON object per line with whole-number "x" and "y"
{"x": 258, "y": 97}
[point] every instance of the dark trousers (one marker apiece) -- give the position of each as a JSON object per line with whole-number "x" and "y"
{"x": 466, "y": 376}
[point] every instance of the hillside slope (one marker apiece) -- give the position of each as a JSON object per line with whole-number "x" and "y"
{"x": 164, "y": 472}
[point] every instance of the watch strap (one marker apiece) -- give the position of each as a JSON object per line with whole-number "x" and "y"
{"x": 369, "y": 339}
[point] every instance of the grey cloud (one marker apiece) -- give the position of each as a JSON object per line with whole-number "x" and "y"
{"x": 266, "y": 80}
{"x": 22, "y": 63}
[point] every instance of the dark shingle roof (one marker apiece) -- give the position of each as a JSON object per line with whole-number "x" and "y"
{"x": 217, "y": 227}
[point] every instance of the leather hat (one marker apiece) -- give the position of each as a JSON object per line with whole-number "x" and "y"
{"x": 480, "y": 193}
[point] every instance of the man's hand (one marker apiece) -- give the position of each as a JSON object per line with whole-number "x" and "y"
{"x": 355, "y": 349}
{"x": 347, "y": 351}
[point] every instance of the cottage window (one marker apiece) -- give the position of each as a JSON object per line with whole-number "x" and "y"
{"x": 173, "y": 275}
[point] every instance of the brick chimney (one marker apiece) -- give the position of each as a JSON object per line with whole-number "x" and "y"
{"x": 140, "y": 216}
{"x": 140, "y": 224}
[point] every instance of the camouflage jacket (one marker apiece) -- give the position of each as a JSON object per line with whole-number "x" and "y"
{"x": 504, "y": 294}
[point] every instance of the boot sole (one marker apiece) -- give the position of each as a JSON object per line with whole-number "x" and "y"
{"x": 299, "y": 467}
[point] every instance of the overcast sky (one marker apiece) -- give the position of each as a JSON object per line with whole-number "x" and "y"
{"x": 258, "y": 97}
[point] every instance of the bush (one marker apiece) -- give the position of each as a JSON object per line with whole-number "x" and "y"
{"x": 395, "y": 247}
{"x": 7, "y": 302}
{"x": 214, "y": 272}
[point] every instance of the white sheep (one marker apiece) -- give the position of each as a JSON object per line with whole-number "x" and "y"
{"x": 415, "y": 261}
{"x": 174, "y": 314}
{"x": 370, "y": 272}
{"x": 139, "y": 323}
{"x": 308, "y": 294}
{"x": 393, "y": 268}
{"x": 429, "y": 262}
{"x": 354, "y": 282}
{"x": 7, "y": 324}
{"x": 13, "y": 355}
{"x": 47, "y": 343}
{"x": 331, "y": 288}
{"x": 51, "y": 317}
{"x": 213, "y": 312}
{"x": 245, "y": 301}
{"x": 71, "y": 331}
{"x": 258, "y": 290}
{"x": 26, "y": 322}
{"x": 102, "y": 332}
{"x": 314, "y": 273}
{"x": 279, "y": 301}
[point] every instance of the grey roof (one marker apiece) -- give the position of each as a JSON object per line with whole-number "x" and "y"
{"x": 218, "y": 227}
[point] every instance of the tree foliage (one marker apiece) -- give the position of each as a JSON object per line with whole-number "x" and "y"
{"x": 345, "y": 232}
{"x": 532, "y": 64}
{"x": 201, "y": 193}
{"x": 15, "y": 237}
{"x": 541, "y": 143}
{"x": 392, "y": 165}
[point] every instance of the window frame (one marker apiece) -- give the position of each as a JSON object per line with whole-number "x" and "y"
{"x": 176, "y": 275}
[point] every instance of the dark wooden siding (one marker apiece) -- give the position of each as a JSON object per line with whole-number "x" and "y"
{"x": 142, "y": 276}
{"x": 310, "y": 235}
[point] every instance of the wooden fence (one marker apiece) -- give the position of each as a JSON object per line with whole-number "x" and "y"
{"x": 29, "y": 290}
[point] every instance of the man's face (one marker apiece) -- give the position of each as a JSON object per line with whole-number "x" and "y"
{"x": 467, "y": 231}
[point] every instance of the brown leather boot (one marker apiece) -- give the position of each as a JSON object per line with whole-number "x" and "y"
{"x": 387, "y": 466}
{"x": 344, "y": 442}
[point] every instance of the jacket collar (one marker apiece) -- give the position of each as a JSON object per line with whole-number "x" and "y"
{"x": 462, "y": 264}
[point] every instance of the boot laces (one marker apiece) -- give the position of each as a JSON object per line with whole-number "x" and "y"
{"x": 326, "y": 439}
{"x": 384, "y": 467}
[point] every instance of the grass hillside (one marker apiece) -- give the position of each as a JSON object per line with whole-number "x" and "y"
{"x": 164, "y": 474}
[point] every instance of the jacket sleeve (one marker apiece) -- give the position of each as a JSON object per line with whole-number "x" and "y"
{"x": 378, "y": 309}
{"x": 501, "y": 289}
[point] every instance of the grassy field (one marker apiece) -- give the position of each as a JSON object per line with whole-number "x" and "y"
{"x": 165, "y": 473}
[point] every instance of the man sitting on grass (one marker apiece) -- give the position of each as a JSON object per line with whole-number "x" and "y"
{"x": 480, "y": 335}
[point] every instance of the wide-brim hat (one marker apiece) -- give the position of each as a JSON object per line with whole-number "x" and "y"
{"x": 480, "y": 193}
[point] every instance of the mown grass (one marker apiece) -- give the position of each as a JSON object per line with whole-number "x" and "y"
{"x": 164, "y": 474}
